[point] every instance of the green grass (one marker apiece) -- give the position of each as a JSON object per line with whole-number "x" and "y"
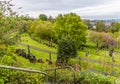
{"x": 25, "y": 63}
{"x": 101, "y": 55}
{"x": 27, "y": 40}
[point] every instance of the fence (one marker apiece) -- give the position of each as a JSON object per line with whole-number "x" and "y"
{"x": 63, "y": 67}
{"x": 25, "y": 70}
{"x": 78, "y": 57}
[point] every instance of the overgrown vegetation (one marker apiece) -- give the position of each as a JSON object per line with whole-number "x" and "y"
{"x": 68, "y": 36}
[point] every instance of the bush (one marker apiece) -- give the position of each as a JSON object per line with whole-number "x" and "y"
{"x": 94, "y": 78}
{"x": 2, "y": 52}
{"x": 17, "y": 77}
{"x": 7, "y": 60}
{"x": 66, "y": 49}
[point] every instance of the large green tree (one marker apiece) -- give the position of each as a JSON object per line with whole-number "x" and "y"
{"x": 41, "y": 29}
{"x": 72, "y": 25}
{"x": 43, "y": 17}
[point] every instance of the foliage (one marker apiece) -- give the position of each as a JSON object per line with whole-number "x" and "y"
{"x": 102, "y": 39}
{"x": 72, "y": 25}
{"x": 66, "y": 49}
{"x": 88, "y": 23}
{"x": 115, "y": 27}
{"x": 17, "y": 77}
{"x": 101, "y": 27}
{"x": 69, "y": 26}
{"x": 10, "y": 24}
{"x": 6, "y": 8}
{"x": 7, "y": 60}
{"x": 94, "y": 78}
{"x": 2, "y": 52}
{"x": 51, "y": 19}
{"x": 43, "y": 17}
{"x": 42, "y": 29}
{"x": 10, "y": 28}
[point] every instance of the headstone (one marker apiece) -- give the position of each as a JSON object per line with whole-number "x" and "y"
{"x": 40, "y": 61}
{"x": 87, "y": 53}
{"x": 49, "y": 61}
{"x": 111, "y": 52}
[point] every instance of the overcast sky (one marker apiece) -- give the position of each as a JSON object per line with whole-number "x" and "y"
{"x": 84, "y": 8}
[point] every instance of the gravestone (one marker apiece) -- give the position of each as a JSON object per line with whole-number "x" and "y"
{"x": 49, "y": 61}
{"x": 87, "y": 53}
{"x": 111, "y": 52}
{"x": 40, "y": 61}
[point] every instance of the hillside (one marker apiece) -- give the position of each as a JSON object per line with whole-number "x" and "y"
{"x": 97, "y": 62}
{"x": 62, "y": 50}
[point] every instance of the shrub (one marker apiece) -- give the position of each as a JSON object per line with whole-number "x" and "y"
{"x": 94, "y": 78}
{"x": 66, "y": 49}
{"x": 7, "y": 60}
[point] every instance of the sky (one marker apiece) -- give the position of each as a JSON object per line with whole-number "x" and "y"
{"x": 88, "y": 9}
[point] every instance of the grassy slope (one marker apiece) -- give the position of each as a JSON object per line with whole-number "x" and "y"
{"x": 102, "y": 55}
{"x": 44, "y": 56}
{"x": 27, "y": 40}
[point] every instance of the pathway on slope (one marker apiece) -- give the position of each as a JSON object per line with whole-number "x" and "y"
{"x": 39, "y": 49}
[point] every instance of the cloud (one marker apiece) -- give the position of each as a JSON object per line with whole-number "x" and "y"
{"x": 84, "y": 8}
{"x": 55, "y": 4}
{"x": 106, "y": 10}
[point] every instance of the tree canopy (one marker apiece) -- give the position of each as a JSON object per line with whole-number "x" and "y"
{"x": 72, "y": 25}
{"x": 115, "y": 27}
{"x": 43, "y": 17}
{"x": 101, "y": 26}
{"x": 42, "y": 29}
{"x": 10, "y": 24}
{"x": 102, "y": 39}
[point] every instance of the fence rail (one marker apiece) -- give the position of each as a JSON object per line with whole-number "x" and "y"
{"x": 63, "y": 67}
{"x": 99, "y": 62}
{"x": 25, "y": 70}
{"x": 39, "y": 49}
{"x": 78, "y": 57}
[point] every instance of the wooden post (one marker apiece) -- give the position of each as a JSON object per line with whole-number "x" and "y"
{"x": 50, "y": 56}
{"x": 55, "y": 76}
{"x": 28, "y": 50}
{"x": 79, "y": 61}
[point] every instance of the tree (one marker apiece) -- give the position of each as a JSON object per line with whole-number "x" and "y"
{"x": 72, "y": 25}
{"x": 42, "y": 29}
{"x": 51, "y": 19}
{"x": 109, "y": 41}
{"x": 102, "y": 39}
{"x": 115, "y": 27}
{"x": 101, "y": 27}
{"x": 6, "y": 8}
{"x": 88, "y": 23}
{"x": 66, "y": 49}
{"x": 10, "y": 24}
{"x": 43, "y": 17}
